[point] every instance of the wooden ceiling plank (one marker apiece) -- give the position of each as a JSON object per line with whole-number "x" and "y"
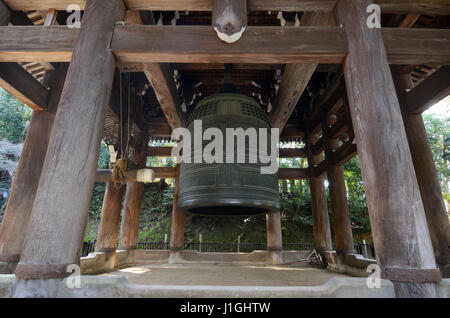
{"x": 430, "y": 7}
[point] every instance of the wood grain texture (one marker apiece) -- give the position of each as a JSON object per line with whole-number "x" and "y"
{"x": 26, "y": 178}
{"x": 293, "y": 173}
{"x": 433, "y": 7}
{"x": 108, "y": 229}
{"x": 431, "y": 91}
{"x": 398, "y": 222}
{"x": 129, "y": 227}
{"x": 295, "y": 77}
{"x": 178, "y": 219}
{"x": 5, "y": 13}
{"x": 283, "y": 152}
{"x": 426, "y": 172}
{"x": 199, "y": 44}
{"x": 273, "y": 232}
{"x": 190, "y": 44}
{"x": 65, "y": 188}
{"x": 340, "y": 213}
{"x": 160, "y": 77}
{"x": 20, "y": 84}
{"x": 321, "y": 222}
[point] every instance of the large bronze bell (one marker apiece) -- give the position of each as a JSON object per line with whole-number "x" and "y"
{"x": 228, "y": 188}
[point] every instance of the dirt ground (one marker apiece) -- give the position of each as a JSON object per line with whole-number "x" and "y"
{"x": 225, "y": 275}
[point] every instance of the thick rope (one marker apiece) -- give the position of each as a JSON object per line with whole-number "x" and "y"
{"x": 118, "y": 174}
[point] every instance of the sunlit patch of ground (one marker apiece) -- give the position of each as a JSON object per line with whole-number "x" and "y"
{"x": 225, "y": 275}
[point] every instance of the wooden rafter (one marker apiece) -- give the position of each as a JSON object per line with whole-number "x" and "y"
{"x": 433, "y": 7}
{"x": 22, "y": 85}
{"x": 432, "y": 90}
{"x": 296, "y": 77}
{"x": 161, "y": 78}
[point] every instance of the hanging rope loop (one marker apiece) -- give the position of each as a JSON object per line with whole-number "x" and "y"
{"x": 118, "y": 174}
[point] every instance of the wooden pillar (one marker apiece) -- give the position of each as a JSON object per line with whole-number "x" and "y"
{"x": 426, "y": 174}
{"x": 67, "y": 179}
{"x": 108, "y": 230}
{"x": 26, "y": 179}
{"x": 321, "y": 222}
{"x": 401, "y": 238}
{"x": 177, "y": 228}
{"x": 274, "y": 237}
{"x": 338, "y": 196}
{"x": 4, "y": 13}
{"x": 129, "y": 228}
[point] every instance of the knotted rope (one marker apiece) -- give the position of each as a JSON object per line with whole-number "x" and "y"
{"x": 118, "y": 174}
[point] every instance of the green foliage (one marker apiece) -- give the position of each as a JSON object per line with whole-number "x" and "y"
{"x": 356, "y": 196}
{"x": 438, "y": 131}
{"x": 103, "y": 158}
{"x": 14, "y": 118}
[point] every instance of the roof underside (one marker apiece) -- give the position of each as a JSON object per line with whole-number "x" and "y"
{"x": 260, "y": 81}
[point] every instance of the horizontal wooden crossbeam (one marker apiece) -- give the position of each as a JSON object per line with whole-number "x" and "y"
{"x": 435, "y": 7}
{"x": 283, "y": 152}
{"x": 430, "y": 91}
{"x": 343, "y": 154}
{"x": 19, "y": 83}
{"x": 293, "y": 173}
{"x": 199, "y": 44}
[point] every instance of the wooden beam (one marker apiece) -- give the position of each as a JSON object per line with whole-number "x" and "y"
{"x": 426, "y": 173}
{"x": 229, "y": 19}
{"x": 432, "y": 7}
{"x": 344, "y": 153}
{"x": 5, "y": 14}
{"x": 321, "y": 168}
{"x": 19, "y": 83}
{"x": 402, "y": 242}
{"x": 329, "y": 104}
{"x": 219, "y": 66}
{"x": 31, "y": 43}
{"x": 135, "y": 175}
{"x": 178, "y": 223}
{"x": 431, "y": 91}
{"x": 159, "y": 151}
{"x": 75, "y": 143}
{"x": 293, "y": 173}
{"x": 295, "y": 77}
{"x": 292, "y": 153}
{"x": 197, "y": 44}
{"x": 283, "y": 152}
{"x": 160, "y": 77}
{"x": 27, "y": 175}
{"x": 165, "y": 172}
